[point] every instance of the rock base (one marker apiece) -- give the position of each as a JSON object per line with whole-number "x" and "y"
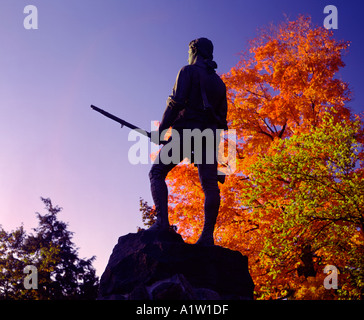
{"x": 155, "y": 265}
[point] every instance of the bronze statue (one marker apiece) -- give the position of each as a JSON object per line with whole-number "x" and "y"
{"x": 198, "y": 101}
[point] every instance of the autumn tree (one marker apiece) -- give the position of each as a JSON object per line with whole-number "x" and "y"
{"x": 309, "y": 189}
{"x": 62, "y": 275}
{"x": 283, "y": 89}
{"x": 149, "y": 216}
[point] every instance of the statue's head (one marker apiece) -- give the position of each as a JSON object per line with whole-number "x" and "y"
{"x": 202, "y": 47}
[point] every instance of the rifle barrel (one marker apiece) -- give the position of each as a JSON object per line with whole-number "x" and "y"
{"x": 121, "y": 121}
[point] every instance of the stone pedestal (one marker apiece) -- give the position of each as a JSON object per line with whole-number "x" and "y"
{"x": 152, "y": 265}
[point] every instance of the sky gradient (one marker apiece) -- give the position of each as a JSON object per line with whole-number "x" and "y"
{"x": 123, "y": 56}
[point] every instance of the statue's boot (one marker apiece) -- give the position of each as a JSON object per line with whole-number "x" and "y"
{"x": 162, "y": 224}
{"x": 160, "y": 197}
{"x": 207, "y": 235}
{"x": 212, "y": 203}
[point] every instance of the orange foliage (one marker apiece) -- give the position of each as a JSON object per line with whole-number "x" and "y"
{"x": 281, "y": 88}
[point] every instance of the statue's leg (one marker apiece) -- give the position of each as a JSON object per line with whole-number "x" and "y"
{"x": 159, "y": 191}
{"x": 209, "y": 180}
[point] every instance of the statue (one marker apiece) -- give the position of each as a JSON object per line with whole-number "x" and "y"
{"x": 198, "y": 101}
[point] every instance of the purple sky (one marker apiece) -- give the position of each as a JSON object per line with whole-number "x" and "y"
{"x": 123, "y": 56}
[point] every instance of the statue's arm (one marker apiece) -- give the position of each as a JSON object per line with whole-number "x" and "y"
{"x": 176, "y": 102}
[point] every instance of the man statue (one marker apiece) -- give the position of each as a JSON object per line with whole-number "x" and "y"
{"x": 198, "y": 101}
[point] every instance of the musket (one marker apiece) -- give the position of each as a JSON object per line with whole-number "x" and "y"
{"x": 221, "y": 178}
{"x": 121, "y": 121}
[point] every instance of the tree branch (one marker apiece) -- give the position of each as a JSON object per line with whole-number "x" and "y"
{"x": 282, "y": 131}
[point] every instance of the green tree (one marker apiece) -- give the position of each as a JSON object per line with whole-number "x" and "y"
{"x": 149, "y": 215}
{"x": 61, "y": 273}
{"x": 313, "y": 186}
{"x": 12, "y": 262}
